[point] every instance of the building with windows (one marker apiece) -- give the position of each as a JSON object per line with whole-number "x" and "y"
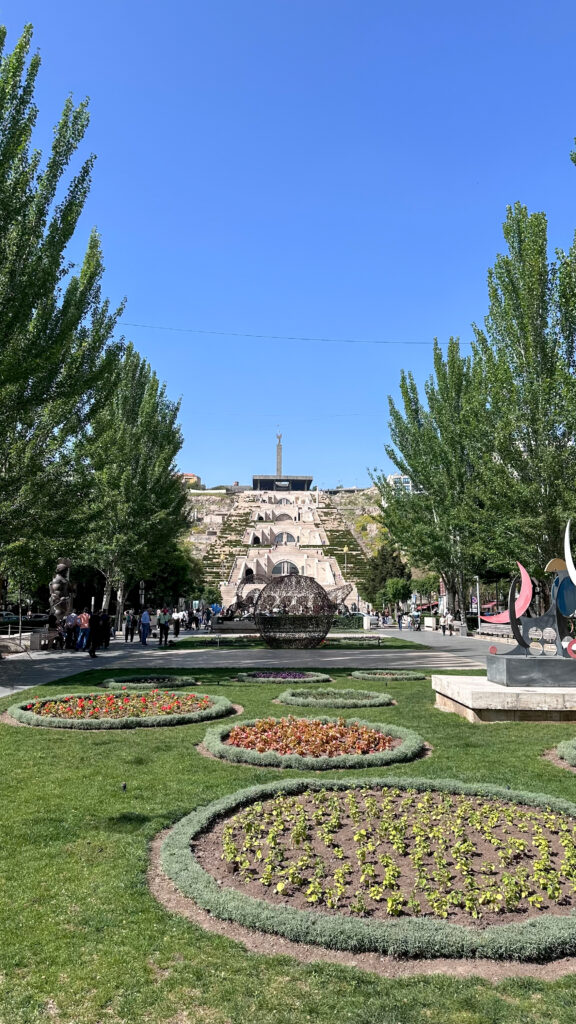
{"x": 400, "y": 481}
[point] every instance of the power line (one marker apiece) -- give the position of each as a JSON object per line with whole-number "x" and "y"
{"x": 277, "y": 337}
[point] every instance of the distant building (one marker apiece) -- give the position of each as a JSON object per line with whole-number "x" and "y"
{"x": 400, "y": 481}
{"x": 281, "y": 482}
{"x": 191, "y": 479}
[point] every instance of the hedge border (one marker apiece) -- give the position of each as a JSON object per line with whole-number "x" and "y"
{"x": 310, "y": 677}
{"x": 138, "y": 683}
{"x": 412, "y": 745}
{"x": 221, "y": 706}
{"x": 298, "y": 697}
{"x": 550, "y": 937}
{"x": 567, "y": 751}
{"x": 372, "y": 675}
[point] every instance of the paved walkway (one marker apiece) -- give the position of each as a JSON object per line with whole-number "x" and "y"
{"x": 22, "y": 671}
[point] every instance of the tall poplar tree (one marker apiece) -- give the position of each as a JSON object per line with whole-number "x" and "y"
{"x": 55, "y": 329}
{"x": 138, "y": 502}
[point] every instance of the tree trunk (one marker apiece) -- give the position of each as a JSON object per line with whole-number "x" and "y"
{"x": 107, "y": 594}
{"x": 120, "y": 598}
{"x": 462, "y": 604}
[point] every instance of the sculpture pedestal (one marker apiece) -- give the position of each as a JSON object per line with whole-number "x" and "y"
{"x": 478, "y": 699}
{"x": 526, "y": 670}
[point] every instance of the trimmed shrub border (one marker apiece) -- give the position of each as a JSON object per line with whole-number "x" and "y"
{"x": 307, "y": 677}
{"x": 412, "y": 745}
{"x": 220, "y": 706}
{"x": 374, "y": 674}
{"x": 141, "y": 683}
{"x": 567, "y": 751}
{"x": 549, "y": 937}
{"x": 335, "y": 698}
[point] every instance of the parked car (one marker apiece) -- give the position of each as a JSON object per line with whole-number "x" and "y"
{"x": 8, "y": 619}
{"x": 36, "y": 619}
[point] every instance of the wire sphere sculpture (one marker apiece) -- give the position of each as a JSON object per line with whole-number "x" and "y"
{"x": 293, "y": 611}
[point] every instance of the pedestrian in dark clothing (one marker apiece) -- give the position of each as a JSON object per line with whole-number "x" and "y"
{"x": 176, "y": 624}
{"x": 130, "y": 626}
{"x": 105, "y": 629}
{"x": 163, "y": 627}
{"x": 94, "y": 634}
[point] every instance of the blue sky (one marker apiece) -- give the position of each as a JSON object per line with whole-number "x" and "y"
{"x": 316, "y": 168}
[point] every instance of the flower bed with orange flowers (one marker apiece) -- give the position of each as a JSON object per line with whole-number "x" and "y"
{"x": 119, "y": 710}
{"x": 318, "y": 743}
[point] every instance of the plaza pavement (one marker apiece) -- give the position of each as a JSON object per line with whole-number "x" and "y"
{"x": 21, "y": 671}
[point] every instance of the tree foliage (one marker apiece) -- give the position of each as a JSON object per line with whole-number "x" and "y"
{"x": 138, "y": 503}
{"x": 55, "y": 329}
{"x": 382, "y": 566}
{"x": 489, "y": 445}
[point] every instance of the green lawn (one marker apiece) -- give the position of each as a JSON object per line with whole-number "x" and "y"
{"x": 346, "y": 643}
{"x": 83, "y": 942}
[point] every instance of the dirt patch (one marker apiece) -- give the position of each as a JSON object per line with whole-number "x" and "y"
{"x": 164, "y": 890}
{"x": 307, "y": 851}
{"x": 552, "y": 756}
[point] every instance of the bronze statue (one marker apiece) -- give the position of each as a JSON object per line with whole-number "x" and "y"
{"x": 60, "y": 591}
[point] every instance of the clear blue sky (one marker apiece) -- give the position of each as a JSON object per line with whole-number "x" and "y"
{"x": 312, "y": 168}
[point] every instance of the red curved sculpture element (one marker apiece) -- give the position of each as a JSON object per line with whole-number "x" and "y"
{"x": 516, "y": 631}
{"x": 570, "y": 649}
{"x": 522, "y": 603}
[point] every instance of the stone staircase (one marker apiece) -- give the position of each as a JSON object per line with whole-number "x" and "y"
{"x": 339, "y": 537}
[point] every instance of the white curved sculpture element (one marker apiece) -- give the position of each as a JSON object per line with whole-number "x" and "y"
{"x": 568, "y": 554}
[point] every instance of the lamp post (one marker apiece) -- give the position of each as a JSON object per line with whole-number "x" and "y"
{"x": 345, "y": 559}
{"x": 478, "y": 600}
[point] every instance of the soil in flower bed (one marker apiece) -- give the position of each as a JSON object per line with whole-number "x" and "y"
{"x": 309, "y": 737}
{"x": 110, "y": 705}
{"x": 382, "y": 853}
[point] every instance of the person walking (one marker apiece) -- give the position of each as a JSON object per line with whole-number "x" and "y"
{"x": 71, "y": 631}
{"x": 130, "y": 625}
{"x": 163, "y": 627}
{"x": 449, "y": 619}
{"x": 443, "y": 624}
{"x": 93, "y": 633}
{"x": 176, "y": 624}
{"x": 105, "y": 629}
{"x": 145, "y": 626}
{"x": 84, "y": 633}
{"x": 400, "y": 621}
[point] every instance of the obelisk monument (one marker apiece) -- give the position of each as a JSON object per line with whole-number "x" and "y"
{"x": 279, "y": 456}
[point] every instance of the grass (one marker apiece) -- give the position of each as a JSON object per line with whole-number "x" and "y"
{"x": 83, "y": 941}
{"x": 243, "y": 643}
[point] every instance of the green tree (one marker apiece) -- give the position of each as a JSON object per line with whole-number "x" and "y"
{"x": 137, "y": 500}
{"x": 396, "y": 591}
{"x": 525, "y": 352}
{"x": 438, "y": 441}
{"x": 382, "y": 566}
{"x": 179, "y": 574}
{"x": 55, "y": 354}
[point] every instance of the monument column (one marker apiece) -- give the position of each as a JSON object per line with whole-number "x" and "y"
{"x": 279, "y": 456}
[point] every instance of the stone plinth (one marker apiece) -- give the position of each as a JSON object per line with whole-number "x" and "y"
{"x": 478, "y": 699}
{"x": 527, "y": 670}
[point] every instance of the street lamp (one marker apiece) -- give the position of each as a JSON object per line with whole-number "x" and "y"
{"x": 478, "y": 600}
{"x": 346, "y": 549}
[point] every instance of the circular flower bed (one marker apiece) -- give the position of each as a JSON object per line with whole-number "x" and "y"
{"x": 148, "y": 682}
{"x": 402, "y": 867}
{"x": 119, "y": 710}
{"x": 289, "y": 676}
{"x": 329, "y": 697}
{"x": 376, "y": 673}
{"x": 320, "y": 743}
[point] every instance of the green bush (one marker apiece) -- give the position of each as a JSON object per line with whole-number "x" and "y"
{"x": 567, "y": 751}
{"x": 220, "y": 707}
{"x": 149, "y": 682}
{"x": 278, "y": 677}
{"x": 412, "y": 745}
{"x": 376, "y": 673}
{"x": 549, "y": 937}
{"x": 333, "y": 698}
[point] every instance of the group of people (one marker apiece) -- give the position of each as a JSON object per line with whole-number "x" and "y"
{"x": 85, "y": 631}
{"x": 89, "y": 630}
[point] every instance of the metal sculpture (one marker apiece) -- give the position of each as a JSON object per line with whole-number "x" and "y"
{"x": 545, "y": 646}
{"x": 60, "y": 590}
{"x": 293, "y": 611}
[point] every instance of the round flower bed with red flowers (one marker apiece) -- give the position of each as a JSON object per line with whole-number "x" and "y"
{"x": 318, "y": 743}
{"x": 119, "y": 710}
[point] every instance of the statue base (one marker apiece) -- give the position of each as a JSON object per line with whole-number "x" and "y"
{"x": 527, "y": 670}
